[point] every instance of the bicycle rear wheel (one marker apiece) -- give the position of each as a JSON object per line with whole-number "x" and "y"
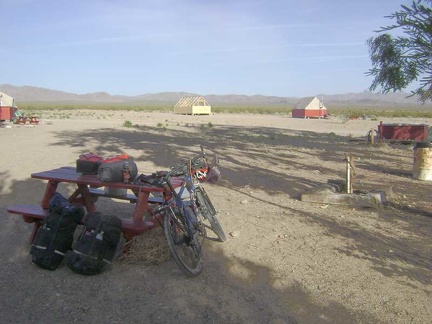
{"x": 185, "y": 249}
{"x": 209, "y": 212}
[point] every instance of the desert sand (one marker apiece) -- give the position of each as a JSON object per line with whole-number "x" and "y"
{"x": 285, "y": 260}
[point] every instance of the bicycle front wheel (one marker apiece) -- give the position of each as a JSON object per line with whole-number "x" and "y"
{"x": 209, "y": 212}
{"x": 185, "y": 248}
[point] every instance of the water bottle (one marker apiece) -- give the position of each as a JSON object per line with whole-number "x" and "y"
{"x": 126, "y": 172}
{"x": 99, "y": 236}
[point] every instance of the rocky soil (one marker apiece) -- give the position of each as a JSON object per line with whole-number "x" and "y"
{"x": 285, "y": 260}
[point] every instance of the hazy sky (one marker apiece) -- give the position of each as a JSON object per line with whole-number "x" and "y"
{"x": 131, "y": 47}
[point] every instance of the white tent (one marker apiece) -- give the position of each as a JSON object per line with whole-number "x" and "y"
{"x": 309, "y": 107}
{"x": 6, "y": 100}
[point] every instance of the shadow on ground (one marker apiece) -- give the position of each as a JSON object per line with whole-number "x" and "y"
{"x": 159, "y": 294}
{"x": 156, "y": 294}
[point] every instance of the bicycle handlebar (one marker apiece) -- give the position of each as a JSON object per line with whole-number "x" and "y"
{"x": 185, "y": 166}
{"x": 179, "y": 170}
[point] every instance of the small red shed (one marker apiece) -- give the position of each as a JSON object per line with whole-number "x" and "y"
{"x": 309, "y": 107}
{"x": 7, "y": 107}
{"x": 403, "y": 132}
{"x": 7, "y": 113}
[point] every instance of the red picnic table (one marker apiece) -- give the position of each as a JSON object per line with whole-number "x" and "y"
{"x": 86, "y": 194}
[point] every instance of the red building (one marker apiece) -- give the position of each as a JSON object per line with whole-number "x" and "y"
{"x": 7, "y": 107}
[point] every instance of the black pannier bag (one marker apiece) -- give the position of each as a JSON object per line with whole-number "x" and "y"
{"x": 112, "y": 169}
{"x": 88, "y": 163}
{"x": 95, "y": 249}
{"x": 54, "y": 238}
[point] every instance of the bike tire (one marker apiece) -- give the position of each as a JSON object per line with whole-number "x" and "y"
{"x": 185, "y": 250}
{"x": 209, "y": 212}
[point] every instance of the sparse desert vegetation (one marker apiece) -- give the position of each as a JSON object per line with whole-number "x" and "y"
{"x": 65, "y": 111}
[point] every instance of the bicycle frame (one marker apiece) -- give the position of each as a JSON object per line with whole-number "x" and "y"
{"x": 178, "y": 200}
{"x": 184, "y": 211}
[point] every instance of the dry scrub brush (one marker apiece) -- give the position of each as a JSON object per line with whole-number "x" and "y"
{"x": 146, "y": 249}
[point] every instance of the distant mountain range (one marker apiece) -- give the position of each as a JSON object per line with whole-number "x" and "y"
{"x": 365, "y": 98}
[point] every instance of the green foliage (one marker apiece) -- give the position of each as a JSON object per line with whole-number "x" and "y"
{"x": 161, "y": 126}
{"x": 127, "y": 124}
{"x": 374, "y": 114}
{"x": 236, "y": 109}
{"x": 50, "y": 112}
{"x": 399, "y": 61}
{"x": 275, "y": 109}
{"x": 92, "y": 106}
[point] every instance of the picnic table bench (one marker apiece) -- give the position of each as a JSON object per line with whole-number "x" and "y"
{"x": 33, "y": 120}
{"x": 22, "y": 120}
{"x": 88, "y": 190}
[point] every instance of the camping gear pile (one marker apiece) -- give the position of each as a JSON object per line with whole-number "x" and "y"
{"x": 95, "y": 248}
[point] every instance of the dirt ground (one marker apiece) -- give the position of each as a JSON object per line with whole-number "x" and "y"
{"x": 285, "y": 260}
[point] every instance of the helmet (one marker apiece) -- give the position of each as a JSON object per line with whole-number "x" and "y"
{"x": 200, "y": 174}
{"x": 200, "y": 169}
